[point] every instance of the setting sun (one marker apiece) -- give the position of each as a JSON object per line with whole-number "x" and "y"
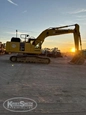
{"x": 73, "y": 50}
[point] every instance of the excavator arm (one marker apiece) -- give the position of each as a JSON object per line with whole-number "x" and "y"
{"x": 59, "y": 31}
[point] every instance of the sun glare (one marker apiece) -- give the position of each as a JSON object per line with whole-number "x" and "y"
{"x": 73, "y": 50}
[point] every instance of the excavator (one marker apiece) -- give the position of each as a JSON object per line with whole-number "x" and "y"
{"x": 30, "y": 49}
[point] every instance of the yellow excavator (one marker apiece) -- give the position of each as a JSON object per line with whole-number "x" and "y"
{"x": 31, "y": 48}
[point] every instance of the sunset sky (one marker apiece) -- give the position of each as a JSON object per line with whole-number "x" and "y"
{"x": 34, "y": 16}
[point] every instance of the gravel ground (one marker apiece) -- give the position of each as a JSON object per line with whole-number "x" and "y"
{"x": 58, "y": 88}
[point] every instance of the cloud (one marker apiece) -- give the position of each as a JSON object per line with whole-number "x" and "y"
{"x": 14, "y": 33}
{"x": 78, "y": 11}
{"x": 12, "y": 2}
{"x": 81, "y": 19}
{"x": 82, "y": 16}
{"x": 24, "y": 11}
{"x": 22, "y": 33}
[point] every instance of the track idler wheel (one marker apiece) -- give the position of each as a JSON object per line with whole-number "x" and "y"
{"x": 13, "y": 58}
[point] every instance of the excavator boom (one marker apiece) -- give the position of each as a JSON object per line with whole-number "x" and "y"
{"x": 60, "y": 31}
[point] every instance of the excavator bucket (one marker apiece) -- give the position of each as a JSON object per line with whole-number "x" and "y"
{"x": 78, "y": 59}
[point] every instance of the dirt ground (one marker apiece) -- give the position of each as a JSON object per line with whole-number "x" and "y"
{"x": 58, "y": 88}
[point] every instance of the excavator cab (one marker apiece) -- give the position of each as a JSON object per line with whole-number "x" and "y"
{"x": 15, "y": 39}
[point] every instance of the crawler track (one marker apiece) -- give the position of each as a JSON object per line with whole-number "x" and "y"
{"x": 30, "y": 59}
